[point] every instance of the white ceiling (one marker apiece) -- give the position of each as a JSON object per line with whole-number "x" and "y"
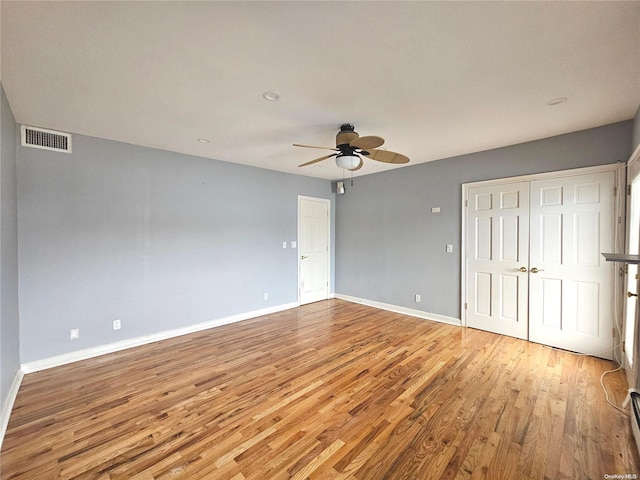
{"x": 435, "y": 79}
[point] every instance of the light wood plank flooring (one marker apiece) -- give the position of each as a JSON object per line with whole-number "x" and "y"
{"x": 332, "y": 390}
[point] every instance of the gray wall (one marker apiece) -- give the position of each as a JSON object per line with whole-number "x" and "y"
{"x": 162, "y": 240}
{"x": 156, "y": 239}
{"x": 9, "y": 328}
{"x": 390, "y": 246}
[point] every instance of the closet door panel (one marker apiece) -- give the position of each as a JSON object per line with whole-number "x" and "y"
{"x": 498, "y": 244}
{"x": 570, "y": 301}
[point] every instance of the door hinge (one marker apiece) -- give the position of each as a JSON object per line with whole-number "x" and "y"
{"x": 466, "y": 203}
{"x": 623, "y": 346}
{"x": 615, "y": 191}
{"x": 465, "y": 306}
{"x": 613, "y": 332}
{"x": 626, "y": 268}
{"x": 628, "y": 189}
{"x": 619, "y": 220}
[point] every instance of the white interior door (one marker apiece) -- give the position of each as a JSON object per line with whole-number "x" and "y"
{"x": 497, "y": 258}
{"x": 632, "y": 284}
{"x": 313, "y": 249}
{"x": 570, "y": 283}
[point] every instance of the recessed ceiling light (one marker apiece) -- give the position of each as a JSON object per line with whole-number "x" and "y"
{"x": 271, "y": 96}
{"x": 204, "y": 140}
{"x": 557, "y": 101}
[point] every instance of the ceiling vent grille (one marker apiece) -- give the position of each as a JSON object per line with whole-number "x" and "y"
{"x": 35, "y": 137}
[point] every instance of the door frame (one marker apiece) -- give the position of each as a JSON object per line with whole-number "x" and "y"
{"x": 299, "y": 262}
{"x": 617, "y": 168}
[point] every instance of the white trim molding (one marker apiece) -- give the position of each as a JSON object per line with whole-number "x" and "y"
{"x": 87, "y": 353}
{"x": 7, "y": 406}
{"x": 436, "y": 317}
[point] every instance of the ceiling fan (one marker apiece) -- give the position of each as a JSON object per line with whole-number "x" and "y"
{"x": 351, "y": 147}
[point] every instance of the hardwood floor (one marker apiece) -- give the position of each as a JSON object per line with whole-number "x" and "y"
{"x": 331, "y": 390}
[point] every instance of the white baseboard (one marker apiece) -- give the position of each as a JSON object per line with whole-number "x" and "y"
{"x": 7, "y": 406}
{"x": 436, "y": 317}
{"x": 86, "y": 353}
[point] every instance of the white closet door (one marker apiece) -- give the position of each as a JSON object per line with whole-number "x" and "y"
{"x": 497, "y": 252}
{"x": 570, "y": 283}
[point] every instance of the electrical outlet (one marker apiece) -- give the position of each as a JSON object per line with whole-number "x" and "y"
{"x": 449, "y": 248}
{"x": 265, "y": 296}
{"x": 284, "y": 244}
{"x": 117, "y": 324}
{"x": 74, "y": 334}
{"x": 418, "y": 298}
{"x": 294, "y": 244}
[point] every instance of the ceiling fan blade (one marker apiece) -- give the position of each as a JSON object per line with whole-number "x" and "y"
{"x": 365, "y": 143}
{"x": 358, "y": 167}
{"x": 317, "y": 160}
{"x": 313, "y": 146}
{"x": 387, "y": 157}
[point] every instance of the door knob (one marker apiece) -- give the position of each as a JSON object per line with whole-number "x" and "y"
{"x": 521, "y": 269}
{"x": 303, "y": 257}
{"x": 535, "y": 270}
{"x": 629, "y": 294}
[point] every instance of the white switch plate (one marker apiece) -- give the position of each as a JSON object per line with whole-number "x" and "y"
{"x": 74, "y": 334}
{"x": 449, "y": 248}
{"x": 418, "y": 298}
{"x": 284, "y": 244}
{"x": 266, "y": 296}
{"x": 435, "y": 209}
{"x": 117, "y": 324}
{"x": 294, "y": 244}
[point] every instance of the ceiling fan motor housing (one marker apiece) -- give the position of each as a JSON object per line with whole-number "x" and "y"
{"x": 346, "y": 135}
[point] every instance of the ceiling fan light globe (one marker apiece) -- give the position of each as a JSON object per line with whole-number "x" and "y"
{"x": 347, "y": 161}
